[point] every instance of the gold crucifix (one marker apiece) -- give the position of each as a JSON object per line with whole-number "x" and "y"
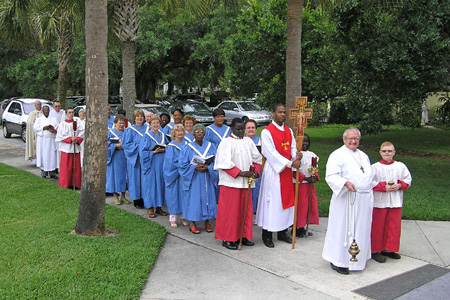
{"x": 285, "y": 145}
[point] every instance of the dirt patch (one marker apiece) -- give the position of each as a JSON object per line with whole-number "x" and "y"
{"x": 442, "y": 157}
{"x": 108, "y": 232}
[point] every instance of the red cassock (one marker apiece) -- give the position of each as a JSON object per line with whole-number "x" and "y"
{"x": 303, "y": 201}
{"x": 66, "y": 167}
{"x": 386, "y": 229}
{"x": 230, "y": 211}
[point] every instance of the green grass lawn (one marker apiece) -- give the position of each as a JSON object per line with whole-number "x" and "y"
{"x": 428, "y": 198}
{"x": 40, "y": 259}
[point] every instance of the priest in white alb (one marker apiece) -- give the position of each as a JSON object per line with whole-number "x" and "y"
{"x": 349, "y": 175}
{"x": 46, "y": 153}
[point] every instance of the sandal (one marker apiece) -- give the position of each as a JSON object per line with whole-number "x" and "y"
{"x": 125, "y": 201}
{"x": 194, "y": 229}
{"x": 151, "y": 213}
{"x": 184, "y": 222}
{"x": 173, "y": 224}
{"x": 117, "y": 202}
{"x": 208, "y": 228}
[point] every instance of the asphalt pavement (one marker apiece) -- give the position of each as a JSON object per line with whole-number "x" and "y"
{"x": 198, "y": 267}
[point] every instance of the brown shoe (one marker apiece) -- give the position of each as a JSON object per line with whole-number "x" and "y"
{"x": 151, "y": 213}
{"x": 159, "y": 211}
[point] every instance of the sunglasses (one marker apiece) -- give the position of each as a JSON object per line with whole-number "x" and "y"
{"x": 387, "y": 151}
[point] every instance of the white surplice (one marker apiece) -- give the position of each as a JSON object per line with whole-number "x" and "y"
{"x": 270, "y": 214}
{"x": 347, "y": 221}
{"x": 46, "y": 154}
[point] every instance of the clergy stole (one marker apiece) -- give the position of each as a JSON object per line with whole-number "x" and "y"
{"x": 283, "y": 142}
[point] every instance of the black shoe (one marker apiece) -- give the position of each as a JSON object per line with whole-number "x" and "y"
{"x": 43, "y": 174}
{"x": 340, "y": 270}
{"x": 246, "y": 242}
{"x": 54, "y": 176}
{"x": 378, "y": 257}
{"x": 393, "y": 255}
{"x": 139, "y": 204}
{"x": 230, "y": 245}
{"x": 284, "y": 237}
{"x": 268, "y": 243}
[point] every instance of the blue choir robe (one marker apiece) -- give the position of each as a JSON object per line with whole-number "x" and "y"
{"x": 116, "y": 165}
{"x": 110, "y": 122}
{"x": 216, "y": 134}
{"x": 174, "y": 188}
{"x": 131, "y": 142}
{"x": 152, "y": 169}
{"x": 199, "y": 187}
{"x": 188, "y": 137}
{"x": 255, "y": 190}
{"x": 168, "y": 128}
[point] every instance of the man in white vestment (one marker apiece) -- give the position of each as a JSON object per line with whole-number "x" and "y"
{"x": 57, "y": 113}
{"x": 30, "y": 142}
{"x": 275, "y": 212}
{"x": 349, "y": 175}
{"x": 44, "y": 127}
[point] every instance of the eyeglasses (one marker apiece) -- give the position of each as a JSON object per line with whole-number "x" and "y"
{"x": 199, "y": 131}
{"x": 57, "y": 106}
{"x": 387, "y": 151}
{"x": 353, "y": 139}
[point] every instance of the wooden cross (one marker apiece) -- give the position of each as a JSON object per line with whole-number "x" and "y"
{"x": 300, "y": 117}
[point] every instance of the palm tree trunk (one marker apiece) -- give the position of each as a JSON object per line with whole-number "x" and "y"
{"x": 65, "y": 46}
{"x": 293, "y": 54}
{"x": 129, "y": 77}
{"x": 91, "y": 213}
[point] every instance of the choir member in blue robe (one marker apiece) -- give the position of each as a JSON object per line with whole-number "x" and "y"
{"x": 250, "y": 131}
{"x": 152, "y": 152}
{"x": 110, "y": 118}
{"x": 217, "y": 131}
{"x": 132, "y": 139}
{"x": 174, "y": 189}
{"x": 200, "y": 181}
{"x": 188, "y": 123}
{"x": 116, "y": 175}
{"x": 177, "y": 119}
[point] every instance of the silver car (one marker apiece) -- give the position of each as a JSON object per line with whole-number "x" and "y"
{"x": 245, "y": 110}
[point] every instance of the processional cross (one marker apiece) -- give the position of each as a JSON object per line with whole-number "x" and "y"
{"x": 300, "y": 115}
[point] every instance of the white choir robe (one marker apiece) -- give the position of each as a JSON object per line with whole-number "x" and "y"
{"x": 46, "y": 154}
{"x": 270, "y": 214}
{"x": 346, "y": 221}
{"x": 60, "y": 117}
{"x": 82, "y": 124}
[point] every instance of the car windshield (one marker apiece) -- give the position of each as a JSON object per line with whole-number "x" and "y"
{"x": 250, "y": 106}
{"x": 156, "y": 110}
{"x": 196, "y": 107}
{"x": 28, "y": 107}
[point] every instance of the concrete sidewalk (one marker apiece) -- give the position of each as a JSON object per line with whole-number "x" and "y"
{"x": 198, "y": 267}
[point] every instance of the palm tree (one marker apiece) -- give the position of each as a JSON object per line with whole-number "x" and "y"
{"x": 27, "y": 22}
{"x": 91, "y": 213}
{"x": 126, "y": 22}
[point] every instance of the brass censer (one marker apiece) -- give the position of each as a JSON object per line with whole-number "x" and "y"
{"x": 354, "y": 251}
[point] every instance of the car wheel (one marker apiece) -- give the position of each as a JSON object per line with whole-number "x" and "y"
{"x": 23, "y": 134}
{"x": 6, "y": 134}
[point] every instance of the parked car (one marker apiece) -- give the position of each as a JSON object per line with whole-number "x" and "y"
{"x": 3, "y": 105}
{"x": 218, "y": 96}
{"x": 154, "y": 109}
{"x": 200, "y": 111}
{"x": 245, "y": 110}
{"x": 16, "y": 114}
{"x": 188, "y": 97}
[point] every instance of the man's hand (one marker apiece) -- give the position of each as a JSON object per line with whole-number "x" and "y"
{"x": 246, "y": 174}
{"x": 350, "y": 186}
{"x": 311, "y": 179}
{"x": 296, "y": 164}
{"x": 74, "y": 140}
